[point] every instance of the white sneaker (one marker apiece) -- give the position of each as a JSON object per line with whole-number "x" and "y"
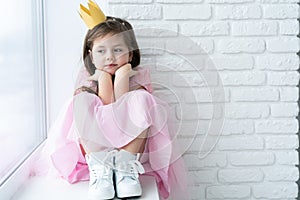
{"x": 127, "y": 169}
{"x": 101, "y": 175}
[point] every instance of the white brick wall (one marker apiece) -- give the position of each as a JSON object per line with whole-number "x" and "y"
{"x": 249, "y": 47}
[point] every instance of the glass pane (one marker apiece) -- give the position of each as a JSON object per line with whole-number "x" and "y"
{"x": 21, "y": 88}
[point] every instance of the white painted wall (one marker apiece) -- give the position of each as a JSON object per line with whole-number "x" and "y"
{"x": 253, "y": 45}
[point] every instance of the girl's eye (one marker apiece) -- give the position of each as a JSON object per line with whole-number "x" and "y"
{"x": 118, "y": 50}
{"x": 101, "y": 51}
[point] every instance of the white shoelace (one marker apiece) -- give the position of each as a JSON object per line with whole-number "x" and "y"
{"x": 105, "y": 161}
{"x": 131, "y": 169}
{"x": 100, "y": 173}
{"x": 103, "y": 170}
{"x": 136, "y": 167}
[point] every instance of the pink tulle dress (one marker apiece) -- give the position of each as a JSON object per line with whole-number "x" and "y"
{"x": 86, "y": 118}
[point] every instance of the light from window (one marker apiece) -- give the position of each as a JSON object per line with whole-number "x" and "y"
{"x": 22, "y": 107}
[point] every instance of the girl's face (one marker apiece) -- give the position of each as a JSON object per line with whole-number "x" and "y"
{"x": 110, "y": 52}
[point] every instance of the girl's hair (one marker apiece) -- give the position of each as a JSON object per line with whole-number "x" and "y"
{"x": 112, "y": 25}
{"x": 115, "y": 26}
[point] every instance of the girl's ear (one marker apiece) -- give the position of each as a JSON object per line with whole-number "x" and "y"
{"x": 91, "y": 56}
{"x": 130, "y": 56}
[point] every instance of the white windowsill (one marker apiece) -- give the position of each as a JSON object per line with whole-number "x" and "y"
{"x": 19, "y": 177}
{"x": 21, "y": 186}
{"x": 46, "y": 188}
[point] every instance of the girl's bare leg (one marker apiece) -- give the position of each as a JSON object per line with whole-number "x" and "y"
{"x": 88, "y": 147}
{"x": 137, "y": 145}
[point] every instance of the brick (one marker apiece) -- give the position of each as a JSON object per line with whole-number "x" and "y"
{"x": 287, "y": 157}
{"x": 179, "y": 1}
{"x": 282, "y": 142}
{"x": 278, "y": 1}
{"x": 285, "y": 110}
{"x": 241, "y": 45}
{"x": 195, "y": 79}
{"x": 203, "y": 145}
{"x": 198, "y": 63}
{"x": 228, "y": 1}
{"x": 288, "y": 94}
{"x": 283, "y": 45}
{"x": 289, "y": 27}
{"x": 201, "y": 12}
{"x": 168, "y": 96}
{"x": 281, "y": 173}
{"x": 206, "y": 45}
{"x": 254, "y": 94}
{"x": 196, "y": 192}
{"x": 275, "y": 190}
{"x": 160, "y": 80}
{"x": 281, "y": 11}
{"x": 211, "y": 160}
{"x": 275, "y": 126}
{"x": 240, "y": 175}
{"x": 151, "y": 47}
{"x": 253, "y": 158}
{"x": 136, "y": 11}
{"x": 276, "y": 62}
{"x": 206, "y": 95}
{"x": 157, "y": 29}
{"x": 254, "y": 28}
{"x": 191, "y": 128}
{"x": 214, "y": 28}
{"x": 228, "y": 62}
{"x": 130, "y": 1}
{"x": 238, "y": 127}
{"x": 195, "y": 111}
{"x": 228, "y": 191}
{"x": 194, "y": 47}
{"x": 238, "y": 12}
{"x": 240, "y": 143}
{"x": 242, "y": 78}
{"x": 203, "y": 176}
{"x": 179, "y": 64}
{"x": 246, "y": 111}
{"x": 283, "y": 78}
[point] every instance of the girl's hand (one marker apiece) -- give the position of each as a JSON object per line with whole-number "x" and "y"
{"x": 126, "y": 69}
{"x": 98, "y": 73}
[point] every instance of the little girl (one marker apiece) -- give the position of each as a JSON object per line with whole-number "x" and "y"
{"x": 114, "y": 129}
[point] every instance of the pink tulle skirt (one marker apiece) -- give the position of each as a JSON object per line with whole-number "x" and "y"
{"x": 86, "y": 121}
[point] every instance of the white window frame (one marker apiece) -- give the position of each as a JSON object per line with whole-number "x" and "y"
{"x": 52, "y": 76}
{"x": 17, "y": 176}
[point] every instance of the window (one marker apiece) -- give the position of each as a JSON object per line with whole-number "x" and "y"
{"x": 22, "y": 82}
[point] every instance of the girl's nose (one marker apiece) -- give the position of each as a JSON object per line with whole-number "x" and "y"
{"x": 110, "y": 56}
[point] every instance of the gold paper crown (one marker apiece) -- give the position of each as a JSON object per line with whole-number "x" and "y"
{"x": 92, "y": 16}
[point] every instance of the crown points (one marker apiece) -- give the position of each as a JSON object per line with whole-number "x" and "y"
{"x": 93, "y": 15}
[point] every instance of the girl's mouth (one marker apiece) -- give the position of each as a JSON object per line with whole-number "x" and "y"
{"x": 111, "y": 65}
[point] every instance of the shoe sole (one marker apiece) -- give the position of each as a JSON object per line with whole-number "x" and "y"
{"x": 100, "y": 197}
{"x": 108, "y": 195}
{"x": 128, "y": 194}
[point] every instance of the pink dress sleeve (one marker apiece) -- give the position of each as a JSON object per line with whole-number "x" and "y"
{"x": 83, "y": 82}
{"x": 142, "y": 79}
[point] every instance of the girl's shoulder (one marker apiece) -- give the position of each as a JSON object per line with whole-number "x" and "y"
{"x": 83, "y": 82}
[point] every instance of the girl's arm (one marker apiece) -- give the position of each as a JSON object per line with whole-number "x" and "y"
{"x": 121, "y": 84}
{"x": 105, "y": 86}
